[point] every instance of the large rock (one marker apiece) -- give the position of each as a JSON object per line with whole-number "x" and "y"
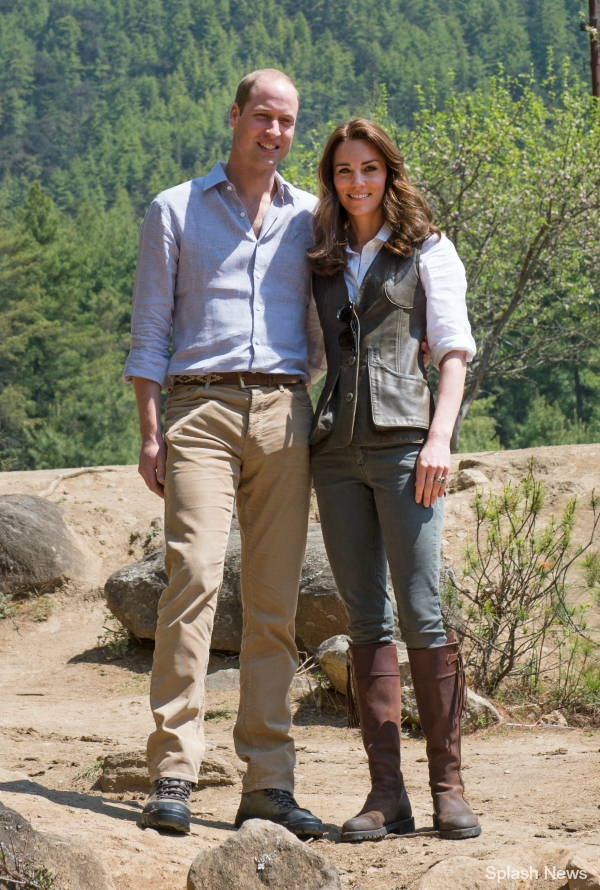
{"x": 261, "y": 855}
{"x": 129, "y": 772}
{"x": 37, "y": 550}
{"x": 133, "y": 592}
{"x": 321, "y": 611}
{"x": 469, "y": 479}
{"x": 332, "y": 659}
{"x": 72, "y": 862}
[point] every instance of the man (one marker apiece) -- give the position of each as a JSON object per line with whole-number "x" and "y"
{"x": 222, "y": 260}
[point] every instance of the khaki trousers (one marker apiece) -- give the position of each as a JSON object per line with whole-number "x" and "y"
{"x": 225, "y": 443}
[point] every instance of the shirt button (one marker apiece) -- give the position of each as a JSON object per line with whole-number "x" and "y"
{"x": 349, "y": 396}
{"x": 229, "y": 188}
{"x": 352, "y": 360}
{"x": 242, "y": 213}
{"x": 257, "y": 342}
{"x": 258, "y": 310}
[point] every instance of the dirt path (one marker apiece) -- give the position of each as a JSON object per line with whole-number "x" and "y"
{"x": 64, "y": 705}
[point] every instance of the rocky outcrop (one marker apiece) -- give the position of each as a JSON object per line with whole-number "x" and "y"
{"x": 37, "y": 550}
{"x": 261, "y": 855}
{"x": 129, "y": 772}
{"x": 72, "y": 862}
{"x": 332, "y": 659}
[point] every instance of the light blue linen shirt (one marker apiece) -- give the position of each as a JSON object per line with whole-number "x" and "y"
{"x": 234, "y": 302}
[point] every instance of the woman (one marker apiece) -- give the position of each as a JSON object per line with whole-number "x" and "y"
{"x": 385, "y": 279}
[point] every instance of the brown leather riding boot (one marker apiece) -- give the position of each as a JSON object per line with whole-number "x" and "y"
{"x": 439, "y": 683}
{"x": 376, "y": 680}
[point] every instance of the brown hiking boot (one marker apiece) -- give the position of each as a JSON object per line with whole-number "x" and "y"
{"x": 440, "y": 691}
{"x": 376, "y": 681}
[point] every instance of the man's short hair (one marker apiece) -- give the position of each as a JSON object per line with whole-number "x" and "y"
{"x": 247, "y": 83}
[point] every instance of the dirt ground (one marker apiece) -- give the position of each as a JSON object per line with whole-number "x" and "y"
{"x": 65, "y": 703}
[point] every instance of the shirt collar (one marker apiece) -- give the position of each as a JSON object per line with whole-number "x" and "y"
{"x": 382, "y": 236}
{"x": 218, "y": 175}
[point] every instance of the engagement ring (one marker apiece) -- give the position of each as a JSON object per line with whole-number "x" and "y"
{"x": 440, "y": 479}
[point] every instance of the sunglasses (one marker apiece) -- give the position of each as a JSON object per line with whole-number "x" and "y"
{"x": 348, "y": 338}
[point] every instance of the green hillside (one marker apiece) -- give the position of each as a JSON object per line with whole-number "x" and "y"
{"x": 133, "y": 94}
{"x": 104, "y": 104}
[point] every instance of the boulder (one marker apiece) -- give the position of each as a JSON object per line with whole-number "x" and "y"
{"x": 321, "y": 611}
{"x": 37, "y": 550}
{"x": 71, "y": 861}
{"x": 468, "y": 479}
{"x": 332, "y": 658}
{"x": 133, "y": 592}
{"x": 261, "y": 855}
{"x": 129, "y": 772}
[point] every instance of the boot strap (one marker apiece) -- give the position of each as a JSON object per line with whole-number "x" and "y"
{"x": 351, "y": 703}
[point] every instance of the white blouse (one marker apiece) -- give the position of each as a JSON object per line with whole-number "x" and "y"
{"x": 444, "y": 280}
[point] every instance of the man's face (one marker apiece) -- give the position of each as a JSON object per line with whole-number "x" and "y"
{"x": 263, "y": 132}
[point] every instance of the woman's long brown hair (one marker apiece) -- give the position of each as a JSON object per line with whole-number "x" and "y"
{"x": 404, "y": 208}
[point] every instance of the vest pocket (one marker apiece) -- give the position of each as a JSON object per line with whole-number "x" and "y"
{"x": 397, "y": 400}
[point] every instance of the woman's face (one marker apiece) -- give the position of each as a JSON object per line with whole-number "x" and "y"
{"x": 359, "y": 174}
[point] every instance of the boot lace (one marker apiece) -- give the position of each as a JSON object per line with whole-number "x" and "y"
{"x": 174, "y": 789}
{"x": 282, "y": 799}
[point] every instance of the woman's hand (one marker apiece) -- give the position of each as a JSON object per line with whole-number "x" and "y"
{"x": 433, "y": 464}
{"x": 433, "y": 467}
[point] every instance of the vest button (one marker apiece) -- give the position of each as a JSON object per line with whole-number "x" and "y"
{"x": 349, "y": 396}
{"x": 352, "y": 360}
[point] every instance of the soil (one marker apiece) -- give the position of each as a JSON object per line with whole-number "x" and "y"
{"x": 65, "y": 702}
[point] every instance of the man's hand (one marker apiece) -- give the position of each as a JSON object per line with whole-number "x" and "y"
{"x": 153, "y": 453}
{"x": 152, "y": 465}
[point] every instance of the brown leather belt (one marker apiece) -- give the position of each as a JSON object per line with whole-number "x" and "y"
{"x": 243, "y": 379}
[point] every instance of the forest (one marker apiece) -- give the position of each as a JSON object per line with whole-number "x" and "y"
{"x": 104, "y": 104}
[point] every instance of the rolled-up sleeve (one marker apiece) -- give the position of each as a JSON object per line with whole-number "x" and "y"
{"x": 153, "y": 297}
{"x": 445, "y": 283}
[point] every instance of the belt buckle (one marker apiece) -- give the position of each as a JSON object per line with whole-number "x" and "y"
{"x": 243, "y": 385}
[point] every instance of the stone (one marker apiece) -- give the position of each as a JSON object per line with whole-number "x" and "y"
{"x": 224, "y": 680}
{"x": 38, "y": 553}
{"x": 475, "y": 874}
{"x": 321, "y": 611}
{"x": 332, "y": 659}
{"x": 261, "y": 855}
{"x": 72, "y": 862}
{"x": 468, "y": 479}
{"x": 554, "y": 718}
{"x": 132, "y": 594}
{"x": 583, "y": 870}
{"x": 129, "y": 772}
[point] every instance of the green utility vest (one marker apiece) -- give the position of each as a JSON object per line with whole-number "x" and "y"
{"x": 379, "y": 396}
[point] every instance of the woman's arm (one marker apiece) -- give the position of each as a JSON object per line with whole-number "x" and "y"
{"x": 434, "y": 459}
